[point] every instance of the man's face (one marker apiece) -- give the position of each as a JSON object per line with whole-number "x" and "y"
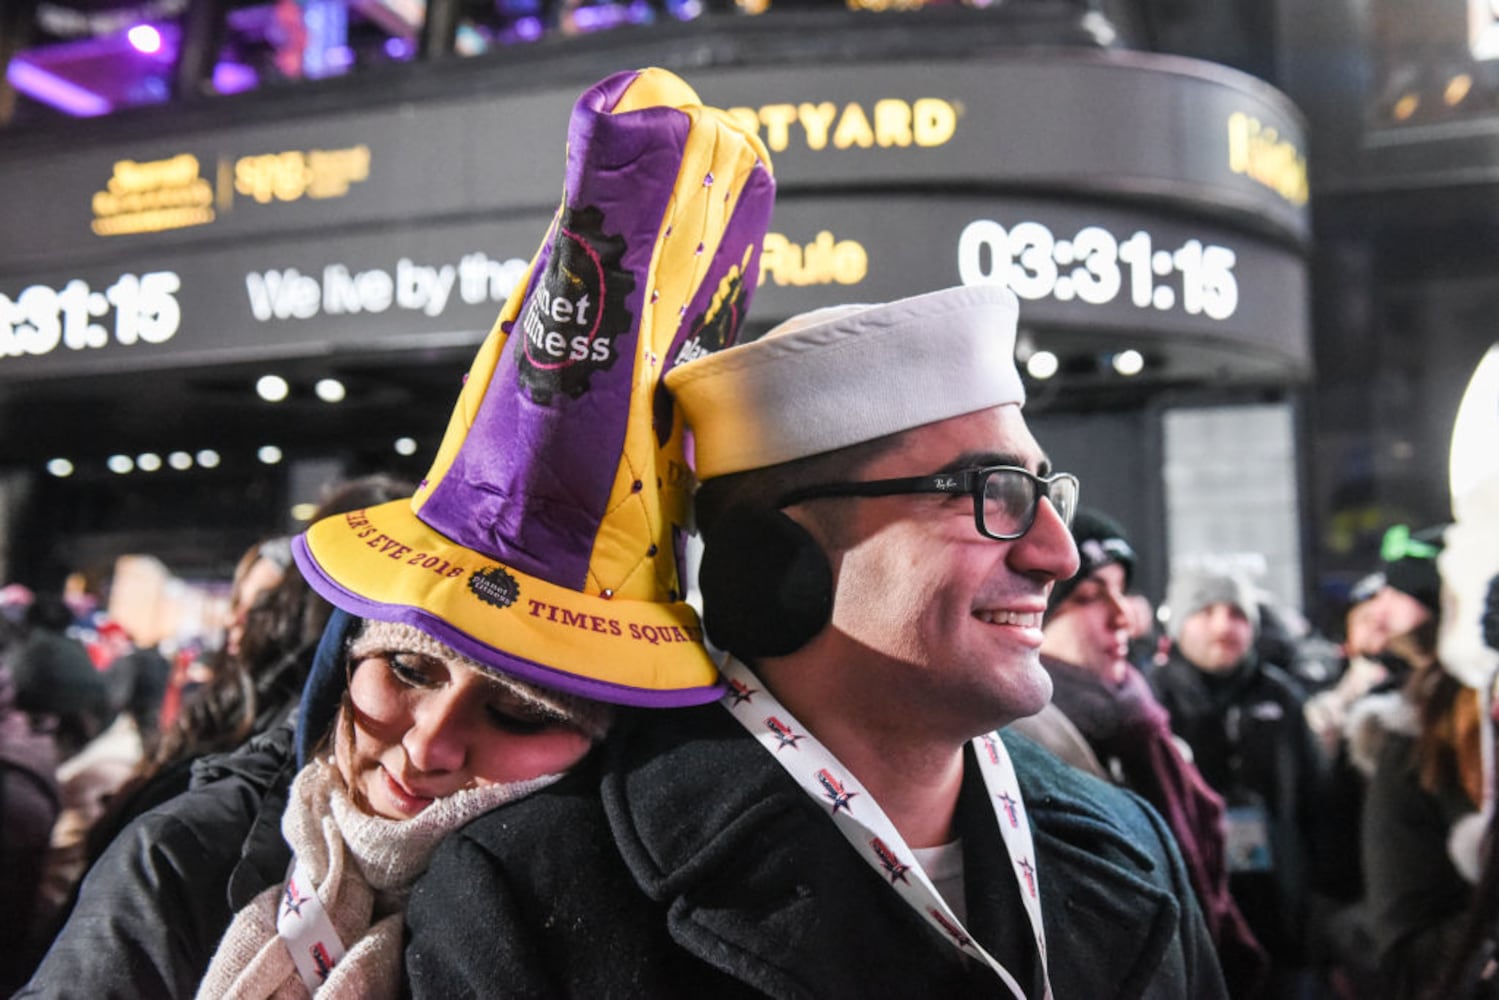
{"x": 935, "y": 614}
{"x": 1090, "y": 629}
{"x": 1215, "y": 638}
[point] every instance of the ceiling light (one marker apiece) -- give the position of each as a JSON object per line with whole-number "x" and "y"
{"x": 180, "y": 460}
{"x": 329, "y": 390}
{"x": 1042, "y": 365}
{"x": 1130, "y": 362}
{"x": 269, "y": 454}
{"x": 272, "y": 388}
{"x": 120, "y": 464}
{"x": 208, "y": 458}
{"x": 1457, "y": 88}
{"x": 148, "y": 461}
{"x": 303, "y": 511}
{"x": 405, "y": 446}
{"x": 60, "y": 467}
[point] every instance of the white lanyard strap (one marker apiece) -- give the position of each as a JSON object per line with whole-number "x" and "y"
{"x": 304, "y": 926}
{"x": 861, "y": 820}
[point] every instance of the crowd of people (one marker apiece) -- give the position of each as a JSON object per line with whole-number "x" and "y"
{"x": 915, "y": 736}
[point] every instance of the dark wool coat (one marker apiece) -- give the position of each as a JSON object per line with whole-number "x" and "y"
{"x": 152, "y": 909}
{"x": 682, "y": 861}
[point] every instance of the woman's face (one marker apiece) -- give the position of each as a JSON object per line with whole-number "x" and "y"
{"x": 262, "y": 575}
{"x": 426, "y": 726}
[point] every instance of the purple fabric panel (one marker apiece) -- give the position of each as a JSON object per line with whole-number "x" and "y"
{"x": 496, "y": 659}
{"x": 747, "y": 225}
{"x": 531, "y": 481}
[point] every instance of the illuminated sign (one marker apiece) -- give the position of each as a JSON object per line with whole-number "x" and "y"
{"x": 171, "y": 193}
{"x": 824, "y": 261}
{"x": 1094, "y": 266}
{"x": 1257, "y": 151}
{"x": 293, "y": 174}
{"x": 281, "y": 294}
{"x": 152, "y": 196}
{"x": 41, "y": 318}
{"x": 888, "y": 123}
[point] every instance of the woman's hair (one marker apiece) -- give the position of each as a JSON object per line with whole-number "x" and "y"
{"x": 1447, "y": 742}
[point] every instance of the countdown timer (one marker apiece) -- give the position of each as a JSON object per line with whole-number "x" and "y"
{"x": 41, "y": 318}
{"x": 1094, "y": 266}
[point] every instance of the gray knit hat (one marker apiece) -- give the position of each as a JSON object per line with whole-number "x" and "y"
{"x": 1197, "y": 587}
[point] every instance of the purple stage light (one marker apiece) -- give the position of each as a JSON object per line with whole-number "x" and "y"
{"x": 49, "y": 88}
{"x": 233, "y": 78}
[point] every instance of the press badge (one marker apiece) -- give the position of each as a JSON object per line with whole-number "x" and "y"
{"x": 1248, "y": 843}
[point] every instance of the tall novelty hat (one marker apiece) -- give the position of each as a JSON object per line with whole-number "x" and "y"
{"x": 542, "y": 542}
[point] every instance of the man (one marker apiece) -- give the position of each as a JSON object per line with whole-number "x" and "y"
{"x": 1085, "y": 649}
{"x": 1243, "y": 719}
{"x": 880, "y": 533}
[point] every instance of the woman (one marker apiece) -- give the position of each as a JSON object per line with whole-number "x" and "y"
{"x": 413, "y": 739}
{"x": 486, "y": 623}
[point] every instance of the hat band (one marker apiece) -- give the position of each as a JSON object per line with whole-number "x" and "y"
{"x": 630, "y": 652}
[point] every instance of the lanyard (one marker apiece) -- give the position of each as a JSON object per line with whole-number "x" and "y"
{"x": 865, "y": 825}
{"x": 305, "y": 927}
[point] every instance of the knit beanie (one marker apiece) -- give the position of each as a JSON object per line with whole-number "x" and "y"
{"x": 1410, "y": 563}
{"x": 1100, "y": 541}
{"x": 1198, "y": 587}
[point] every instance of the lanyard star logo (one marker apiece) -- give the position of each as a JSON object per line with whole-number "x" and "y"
{"x": 785, "y": 736}
{"x": 293, "y": 902}
{"x": 834, "y": 790}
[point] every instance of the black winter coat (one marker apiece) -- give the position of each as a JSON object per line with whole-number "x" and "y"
{"x": 152, "y": 909}
{"x": 681, "y": 861}
{"x": 1250, "y": 741}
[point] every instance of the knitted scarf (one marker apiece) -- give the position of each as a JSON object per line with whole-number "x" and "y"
{"x": 361, "y": 867}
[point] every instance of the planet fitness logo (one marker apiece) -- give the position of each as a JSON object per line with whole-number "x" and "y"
{"x": 494, "y": 586}
{"x": 576, "y": 310}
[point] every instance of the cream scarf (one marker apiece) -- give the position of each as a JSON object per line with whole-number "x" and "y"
{"x": 363, "y": 867}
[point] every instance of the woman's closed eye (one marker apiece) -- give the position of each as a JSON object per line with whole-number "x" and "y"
{"x": 412, "y": 669}
{"x": 522, "y": 720}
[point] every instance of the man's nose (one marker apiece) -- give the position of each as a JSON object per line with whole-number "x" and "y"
{"x": 1047, "y": 549}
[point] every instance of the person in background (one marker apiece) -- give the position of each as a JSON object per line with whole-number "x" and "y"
{"x": 1362, "y": 668}
{"x": 29, "y": 804}
{"x": 259, "y": 673}
{"x": 56, "y": 682}
{"x": 1391, "y": 612}
{"x": 1473, "y": 974}
{"x": 880, "y": 532}
{"x": 1085, "y": 649}
{"x": 1243, "y": 720}
{"x": 137, "y": 684}
{"x": 1424, "y": 813}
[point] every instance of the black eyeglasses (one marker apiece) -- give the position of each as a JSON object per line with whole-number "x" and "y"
{"x": 1004, "y": 497}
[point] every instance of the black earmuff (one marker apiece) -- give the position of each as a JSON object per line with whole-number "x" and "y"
{"x": 766, "y": 584}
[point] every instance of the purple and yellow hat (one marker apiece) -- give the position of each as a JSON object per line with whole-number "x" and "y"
{"x": 544, "y": 540}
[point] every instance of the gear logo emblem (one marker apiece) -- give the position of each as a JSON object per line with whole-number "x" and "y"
{"x": 494, "y": 586}
{"x": 571, "y": 322}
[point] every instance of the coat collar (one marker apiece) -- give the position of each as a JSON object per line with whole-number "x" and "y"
{"x": 746, "y": 864}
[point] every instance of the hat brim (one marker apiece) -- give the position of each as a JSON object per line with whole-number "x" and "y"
{"x": 386, "y": 563}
